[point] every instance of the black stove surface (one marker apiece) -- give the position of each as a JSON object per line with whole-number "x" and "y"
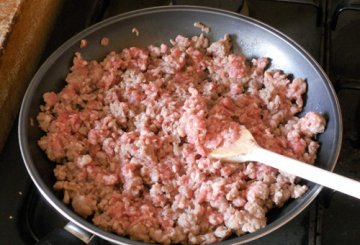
{"x": 333, "y": 218}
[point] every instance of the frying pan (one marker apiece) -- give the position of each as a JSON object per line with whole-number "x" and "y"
{"x": 158, "y": 25}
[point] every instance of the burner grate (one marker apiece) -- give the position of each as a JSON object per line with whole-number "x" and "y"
{"x": 344, "y": 37}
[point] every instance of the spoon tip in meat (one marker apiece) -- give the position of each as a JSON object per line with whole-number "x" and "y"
{"x": 242, "y": 146}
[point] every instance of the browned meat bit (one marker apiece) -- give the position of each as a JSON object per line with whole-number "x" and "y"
{"x": 32, "y": 124}
{"x": 104, "y": 41}
{"x": 220, "y": 48}
{"x": 83, "y": 43}
{"x": 136, "y": 31}
{"x": 202, "y": 26}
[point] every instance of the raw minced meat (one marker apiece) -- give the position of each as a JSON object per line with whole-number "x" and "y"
{"x": 131, "y": 135}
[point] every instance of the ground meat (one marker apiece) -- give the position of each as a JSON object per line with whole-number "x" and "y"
{"x": 136, "y": 31}
{"x": 104, "y": 41}
{"x": 132, "y": 134}
{"x": 202, "y": 26}
{"x": 83, "y": 43}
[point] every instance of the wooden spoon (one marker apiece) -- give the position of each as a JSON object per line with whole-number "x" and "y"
{"x": 246, "y": 149}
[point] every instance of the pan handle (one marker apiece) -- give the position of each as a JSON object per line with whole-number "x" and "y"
{"x": 70, "y": 234}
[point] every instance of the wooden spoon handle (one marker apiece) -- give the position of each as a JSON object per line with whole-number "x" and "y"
{"x": 305, "y": 171}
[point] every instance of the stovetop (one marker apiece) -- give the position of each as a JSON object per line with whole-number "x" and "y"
{"x": 333, "y": 218}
